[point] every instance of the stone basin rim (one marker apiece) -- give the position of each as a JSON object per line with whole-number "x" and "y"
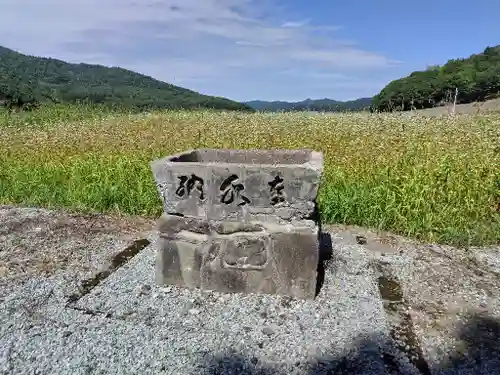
{"x": 315, "y": 158}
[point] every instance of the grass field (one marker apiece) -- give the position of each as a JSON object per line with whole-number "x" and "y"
{"x": 433, "y": 179}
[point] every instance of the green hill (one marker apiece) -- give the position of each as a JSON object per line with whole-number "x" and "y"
{"x": 26, "y": 81}
{"x": 319, "y": 105}
{"x": 477, "y": 78}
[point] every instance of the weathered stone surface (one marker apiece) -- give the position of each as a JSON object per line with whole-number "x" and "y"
{"x": 178, "y": 261}
{"x": 278, "y": 259}
{"x": 233, "y": 184}
{"x": 228, "y": 227}
{"x": 172, "y": 224}
{"x": 239, "y": 220}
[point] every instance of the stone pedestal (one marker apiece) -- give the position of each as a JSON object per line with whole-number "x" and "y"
{"x": 239, "y": 220}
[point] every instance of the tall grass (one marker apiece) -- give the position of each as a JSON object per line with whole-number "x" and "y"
{"x": 432, "y": 179}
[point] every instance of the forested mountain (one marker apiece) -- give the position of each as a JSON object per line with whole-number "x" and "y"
{"x": 29, "y": 80}
{"x": 319, "y": 105}
{"x": 477, "y": 78}
{"x": 26, "y": 81}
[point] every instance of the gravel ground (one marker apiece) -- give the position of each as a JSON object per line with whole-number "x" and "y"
{"x": 374, "y": 314}
{"x": 37, "y": 242}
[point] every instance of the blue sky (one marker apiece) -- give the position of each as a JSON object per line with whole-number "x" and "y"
{"x": 256, "y": 49}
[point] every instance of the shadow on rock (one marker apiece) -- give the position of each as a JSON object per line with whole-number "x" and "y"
{"x": 232, "y": 363}
{"x": 478, "y": 351}
{"x": 364, "y": 359}
{"x": 479, "y": 355}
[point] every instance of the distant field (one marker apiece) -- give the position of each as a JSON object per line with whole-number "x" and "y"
{"x": 471, "y": 108}
{"x": 435, "y": 179}
{"x": 461, "y": 109}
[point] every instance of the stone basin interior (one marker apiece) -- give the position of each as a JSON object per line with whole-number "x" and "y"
{"x": 244, "y": 156}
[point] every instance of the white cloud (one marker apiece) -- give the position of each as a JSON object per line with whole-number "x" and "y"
{"x": 296, "y": 23}
{"x": 199, "y": 43}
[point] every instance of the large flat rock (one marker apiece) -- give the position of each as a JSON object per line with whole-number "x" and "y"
{"x": 37, "y": 242}
{"x": 443, "y": 302}
{"x": 386, "y": 306}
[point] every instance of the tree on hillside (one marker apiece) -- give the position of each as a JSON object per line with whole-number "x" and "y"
{"x": 28, "y": 80}
{"x": 477, "y": 78}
